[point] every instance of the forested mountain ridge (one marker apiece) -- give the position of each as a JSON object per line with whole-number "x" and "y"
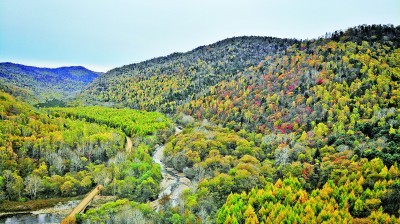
{"x": 45, "y": 83}
{"x": 371, "y": 33}
{"x": 164, "y": 83}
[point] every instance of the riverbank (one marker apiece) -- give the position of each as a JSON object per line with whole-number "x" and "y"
{"x": 58, "y": 210}
{"x": 32, "y": 205}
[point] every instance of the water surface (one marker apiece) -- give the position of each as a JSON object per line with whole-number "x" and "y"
{"x": 29, "y": 218}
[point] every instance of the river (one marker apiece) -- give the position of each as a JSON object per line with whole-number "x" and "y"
{"x": 29, "y": 218}
{"x": 47, "y": 215}
{"x": 173, "y": 182}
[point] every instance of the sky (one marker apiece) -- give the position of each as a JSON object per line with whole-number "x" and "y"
{"x": 104, "y": 34}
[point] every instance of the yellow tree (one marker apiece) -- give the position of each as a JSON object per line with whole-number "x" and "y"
{"x": 250, "y": 216}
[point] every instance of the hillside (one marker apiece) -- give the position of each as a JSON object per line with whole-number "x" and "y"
{"x": 42, "y": 84}
{"x": 164, "y": 83}
{"x": 325, "y": 113}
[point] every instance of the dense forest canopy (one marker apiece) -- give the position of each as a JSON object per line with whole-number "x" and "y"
{"x": 52, "y": 154}
{"x": 274, "y": 131}
{"x": 44, "y": 85}
{"x": 164, "y": 83}
{"x": 132, "y": 122}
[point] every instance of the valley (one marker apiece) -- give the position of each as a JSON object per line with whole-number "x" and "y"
{"x": 245, "y": 130}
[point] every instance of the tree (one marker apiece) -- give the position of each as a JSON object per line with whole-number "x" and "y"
{"x": 18, "y": 185}
{"x": 282, "y": 156}
{"x": 26, "y": 166}
{"x": 148, "y": 189}
{"x": 390, "y": 201}
{"x": 68, "y": 188}
{"x": 41, "y": 171}
{"x": 101, "y": 175}
{"x": 128, "y": 216}
{"x": 33, "y": 185}
{"x": 250, "y": 216}
{"x": 358, "y": 208}
{"x": 321, "y": 130}
{"x": 7, "y": 181}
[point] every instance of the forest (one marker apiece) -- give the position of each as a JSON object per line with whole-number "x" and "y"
{"x": 164, "y": 83}
{"x": 44, "y": 87}
{"x": 273, "y": 131}
{"x": 50, "y": 154}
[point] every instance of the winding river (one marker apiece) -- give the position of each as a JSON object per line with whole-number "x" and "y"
{"x": 173, "y": 182}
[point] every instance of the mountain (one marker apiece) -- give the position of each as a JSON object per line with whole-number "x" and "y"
{"x": 325, "y": 114}
{"x": 305, "y": 84}
{"x": 166, "y": 82}
{"x": 42, "y": 84}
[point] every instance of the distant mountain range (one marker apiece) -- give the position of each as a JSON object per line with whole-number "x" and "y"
{"x": 44, "y": 84}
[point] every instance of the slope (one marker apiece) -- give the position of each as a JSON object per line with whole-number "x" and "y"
{"x": 44, "y": 83}
{"x": 166, "y": 82}
{"x": 322, "y": 123}
{"x": 339, "y": 91}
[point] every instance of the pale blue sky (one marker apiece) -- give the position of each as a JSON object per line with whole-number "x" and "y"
{"x": 101, "y": 34}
